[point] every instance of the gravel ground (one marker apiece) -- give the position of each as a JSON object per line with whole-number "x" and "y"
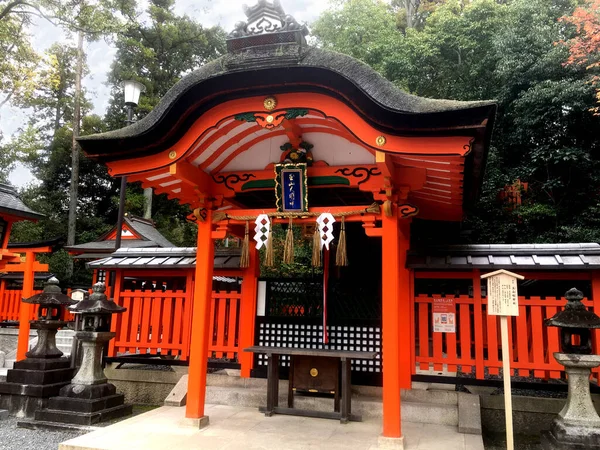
{"x": 13, "y": 438}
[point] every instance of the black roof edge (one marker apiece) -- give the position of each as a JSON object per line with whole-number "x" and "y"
{"x": 47, "y": 243}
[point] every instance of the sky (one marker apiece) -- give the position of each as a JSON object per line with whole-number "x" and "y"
{"x": 100, "y": 55}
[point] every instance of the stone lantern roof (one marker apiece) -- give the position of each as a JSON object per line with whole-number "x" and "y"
{"x": 51, "y": 295}
{"x": 575, "y": 314}
{"x": 97, "y": 303}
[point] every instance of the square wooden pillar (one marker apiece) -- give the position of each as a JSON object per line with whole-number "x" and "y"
{"x": 25, "y": 309}
{"x": 396, "y": 320}
{"x": 205, "y": 252}
{"x": 248, "y": 312}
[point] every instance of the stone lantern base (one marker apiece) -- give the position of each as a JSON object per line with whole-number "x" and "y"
{"x": 32, "y": 381}
{"x": 577, "y": 426}
{"x": 89, "y": 399}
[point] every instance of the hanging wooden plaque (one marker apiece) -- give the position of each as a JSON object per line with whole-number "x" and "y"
{"x": 291, "y": 192}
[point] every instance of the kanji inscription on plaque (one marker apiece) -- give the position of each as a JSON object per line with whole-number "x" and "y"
{"x": 503, "y": 298}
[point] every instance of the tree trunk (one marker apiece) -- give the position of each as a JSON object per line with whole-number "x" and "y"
{"x": 75, "y": 150}
{"x": 148, "y": 203}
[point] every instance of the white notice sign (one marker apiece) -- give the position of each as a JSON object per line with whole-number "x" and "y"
{"x": 503, "y": 299}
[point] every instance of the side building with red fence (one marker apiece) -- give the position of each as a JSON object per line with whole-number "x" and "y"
{"x": 155, "y": 285}
{"x": 473, "y": 349}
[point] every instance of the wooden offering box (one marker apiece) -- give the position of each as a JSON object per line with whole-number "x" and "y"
{"x": 315, "y": 374}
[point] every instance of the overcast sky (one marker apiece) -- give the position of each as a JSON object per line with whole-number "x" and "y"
{"x": 100, "y": 55}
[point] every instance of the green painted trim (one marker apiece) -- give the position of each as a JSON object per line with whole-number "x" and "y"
{"x": 258, "y": 184}
{"x": 325, "y": 181}
{"x": 312, "y": 181}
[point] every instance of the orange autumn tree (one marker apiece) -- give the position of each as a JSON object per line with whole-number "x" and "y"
{"x": 584, "y": 47}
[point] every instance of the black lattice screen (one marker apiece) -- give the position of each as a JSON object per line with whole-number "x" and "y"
{"x": 281, "y": 332}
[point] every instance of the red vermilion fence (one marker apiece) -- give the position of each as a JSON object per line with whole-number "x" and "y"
{"x": 10, "y": 302}
{"x": 154, "y": 322}
{"x": 160, "y": 322}
{"x": 224, "y": 325}
{"x": 476, "y": 343}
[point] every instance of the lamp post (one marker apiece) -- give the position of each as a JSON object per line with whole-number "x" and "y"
{"x": 132, "y": 90}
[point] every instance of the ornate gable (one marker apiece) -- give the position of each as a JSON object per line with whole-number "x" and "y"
{"x": 267, "y": 23}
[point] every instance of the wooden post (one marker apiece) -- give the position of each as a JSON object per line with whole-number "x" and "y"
{"x": 478, "y": 319}
{"x": 117, "y": 318}
{"x": 510, "y": 445}
{"x": 391, "y": 326}
{"x": 596, "y": 309}
{"x": 248, "y": 313}
{"x": 503, "y": 301}
{"x": 200, "y": 320}
{"x": 25, "y": 308}
{"x": 405, "y": 306}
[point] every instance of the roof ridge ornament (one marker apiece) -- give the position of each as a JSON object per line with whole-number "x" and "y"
{"x": 266, "y": 19}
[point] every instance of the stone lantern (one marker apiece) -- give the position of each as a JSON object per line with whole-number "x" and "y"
{"x": 44, "y": 371}
{"x": 90, "y": 398}
{"x": 578, "y": 424}
{"x": 51, "y": 303}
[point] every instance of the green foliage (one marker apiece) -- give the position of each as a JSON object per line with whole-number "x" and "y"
{"x": 302, "y": 265}
{"x": 364, "y": 29}
{"x": 545, "y": 134}
{"x": 158, "y": 53}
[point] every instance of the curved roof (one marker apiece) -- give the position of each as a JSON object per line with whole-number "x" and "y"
{"x": 208, "y": 123}
{"x": 273, "y": 70}
{"x": 11, "y": 204}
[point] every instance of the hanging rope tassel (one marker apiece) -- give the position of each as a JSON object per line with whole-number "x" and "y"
{"x": 341, "y": 257}
{"x": 245, "y": 257}
{"x": 316, "y": 254}
{"x": 288, "y": 249}
{"x": 269, "y": 259}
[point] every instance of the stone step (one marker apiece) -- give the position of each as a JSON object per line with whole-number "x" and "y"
{"x": 80, "y": 418}
{"x": 368, "y": 407}
{"x": 443, "y": 397}
{"x": 25, "y": 376}
{"x": 84, "y": 405}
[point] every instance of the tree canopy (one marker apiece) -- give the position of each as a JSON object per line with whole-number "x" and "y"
{"x": 512, "y": 52}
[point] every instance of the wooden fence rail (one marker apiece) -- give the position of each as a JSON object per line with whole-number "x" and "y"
{"x": 10, "y": 303}
{"x": 479, "y": 352}
{"x": 160, "y": 322}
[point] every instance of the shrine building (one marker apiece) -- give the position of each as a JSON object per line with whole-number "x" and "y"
{"x": 277, "y": 131}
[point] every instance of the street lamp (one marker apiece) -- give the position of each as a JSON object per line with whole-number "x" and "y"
{"x": 132, "y": 90}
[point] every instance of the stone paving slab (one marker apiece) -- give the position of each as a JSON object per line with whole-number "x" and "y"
{"x": 240, "y": 428}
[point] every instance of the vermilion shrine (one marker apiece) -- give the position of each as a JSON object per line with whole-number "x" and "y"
{"x": 279, "y": 132}
{"x": 220, "y": 138}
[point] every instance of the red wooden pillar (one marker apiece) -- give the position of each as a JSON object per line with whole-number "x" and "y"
{"x": 115, "y": 324}
{"x": 200, "y": 320}
{"x": 390, "y": 327}
{"x": 405, "y": 306}
{"x": 25, "y": 309}
{"x": 248, "y": 313}
{"x": 596, "y": 309}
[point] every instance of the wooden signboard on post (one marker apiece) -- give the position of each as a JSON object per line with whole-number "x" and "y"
{"x": 503, "y": 301}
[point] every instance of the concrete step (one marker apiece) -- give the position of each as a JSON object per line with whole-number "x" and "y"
{"x": 368, "y": 407}
{"x": 439, "y": 397}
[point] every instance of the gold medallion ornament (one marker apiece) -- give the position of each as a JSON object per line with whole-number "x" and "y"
{"x": 172, "y": 154}
{"x": 380, "y": 141}
{"x": 314, "y": 372}
{"x": 270, "y": 103}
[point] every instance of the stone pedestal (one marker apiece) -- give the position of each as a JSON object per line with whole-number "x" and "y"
{"x": 578, "y": 424}
{"x": 32, "y": 381}
{"x": 89, "y": 398}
